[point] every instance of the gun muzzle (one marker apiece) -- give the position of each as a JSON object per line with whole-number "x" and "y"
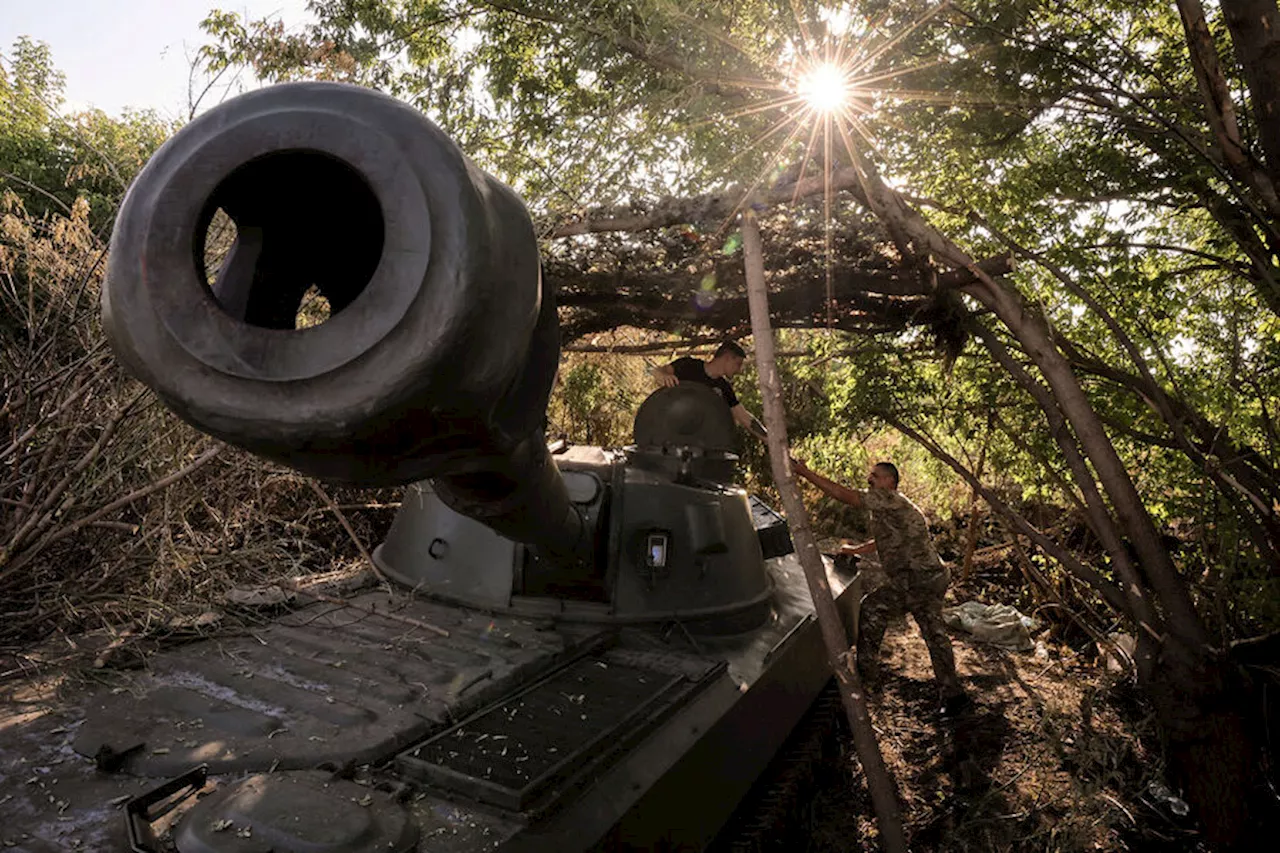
{"x": 441, "y": 345}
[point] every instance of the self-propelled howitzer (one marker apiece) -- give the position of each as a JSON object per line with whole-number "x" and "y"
{"x": 619, "y": 642}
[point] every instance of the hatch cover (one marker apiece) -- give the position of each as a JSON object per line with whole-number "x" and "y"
{"x": 307, "y": 812}
{"x": 526, "y": 750}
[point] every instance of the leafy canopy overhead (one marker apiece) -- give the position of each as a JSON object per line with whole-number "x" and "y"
{"x": 575, "y": 103}
{"x": 1039, "y": 115}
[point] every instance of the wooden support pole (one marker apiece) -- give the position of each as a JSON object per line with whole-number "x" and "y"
{"x": 879, "y": 783}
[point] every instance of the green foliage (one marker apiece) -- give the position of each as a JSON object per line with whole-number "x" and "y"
{"x": 32, "y": 164}
{"x": 596, "y": 397}
{"x": 51, "y": 161}
{"x": 596, "y": 405}
{"x": 571, "y": 103}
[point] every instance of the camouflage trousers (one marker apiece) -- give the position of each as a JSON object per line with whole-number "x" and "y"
{"x": 920, "y": 594}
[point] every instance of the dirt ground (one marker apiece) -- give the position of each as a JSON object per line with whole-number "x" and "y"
{"x": 1054, "y": 756}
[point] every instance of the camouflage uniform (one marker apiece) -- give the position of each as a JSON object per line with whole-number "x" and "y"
{"x": 917, "y": 581}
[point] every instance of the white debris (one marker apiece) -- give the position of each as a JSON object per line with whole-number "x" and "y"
{"x": 998, "y": 624}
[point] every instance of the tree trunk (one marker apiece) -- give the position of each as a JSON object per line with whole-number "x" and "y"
{"x": 1208, "y": 742}
{"x": 1200, "y": 704}
{"x": 1255, "y": 34}
{"x": 1096, "y": 513}
{"x": 1179, "y": 615}
{"x": 879, "y": 783}
{"x": 1219, "y": 108}
{"x": 975, "y": 513}
{"x": 1033, "y": 332}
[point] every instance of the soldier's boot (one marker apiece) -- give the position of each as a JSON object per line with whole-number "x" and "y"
{"x": 944, "y": 668}
{"x": 955, "y": 705}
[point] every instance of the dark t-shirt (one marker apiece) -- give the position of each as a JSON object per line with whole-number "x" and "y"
{"x": 695, "y": 370}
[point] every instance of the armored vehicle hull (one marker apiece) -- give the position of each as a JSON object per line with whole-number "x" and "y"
{"x": 361, "y": 729}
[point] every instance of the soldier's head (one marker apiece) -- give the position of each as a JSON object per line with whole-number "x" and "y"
{"x": 883, "y": 475}
{"x": 727, "y": 361}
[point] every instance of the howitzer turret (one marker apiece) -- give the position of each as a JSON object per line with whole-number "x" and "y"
{"x": 619, "y": 633}
{"x": 434, "y": 366}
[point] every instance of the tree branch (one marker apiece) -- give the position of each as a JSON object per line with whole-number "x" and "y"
{"x": 705, "y": 208}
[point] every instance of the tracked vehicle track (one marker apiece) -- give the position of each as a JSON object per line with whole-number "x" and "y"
{"x": 774, "y": 816}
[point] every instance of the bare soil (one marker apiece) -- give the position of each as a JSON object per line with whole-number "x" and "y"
{"x": 1055, "y": 755}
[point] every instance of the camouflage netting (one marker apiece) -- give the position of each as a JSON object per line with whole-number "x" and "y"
{"x": 687, "y": 279}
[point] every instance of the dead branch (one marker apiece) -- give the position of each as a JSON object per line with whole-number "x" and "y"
{"x": 136, "y": 495}
{"x": 346, "y": 525}
{"x": 711, "y": 207}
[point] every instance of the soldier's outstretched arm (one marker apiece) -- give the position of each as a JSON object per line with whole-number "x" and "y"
{"x": 832, "y": 489}
{"x": 867, "y": 547}
{"x": 749, "y": 422}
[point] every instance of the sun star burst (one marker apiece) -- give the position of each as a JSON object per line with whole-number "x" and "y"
{"x": 824, "y": 87}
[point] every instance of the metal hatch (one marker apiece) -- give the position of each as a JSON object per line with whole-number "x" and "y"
{"x": 307, "y": 812}
{"x": 526, "y": 751}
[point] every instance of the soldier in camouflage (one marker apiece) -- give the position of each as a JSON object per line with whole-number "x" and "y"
{"x": 917, "y": 579}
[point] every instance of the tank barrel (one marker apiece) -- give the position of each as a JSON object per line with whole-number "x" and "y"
{"x": 438, "y": 354}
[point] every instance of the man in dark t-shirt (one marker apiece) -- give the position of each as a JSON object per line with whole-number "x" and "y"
{"x": 715, "y": 374}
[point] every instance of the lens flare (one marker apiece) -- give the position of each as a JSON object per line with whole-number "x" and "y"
{"x": 824, "y": 87}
